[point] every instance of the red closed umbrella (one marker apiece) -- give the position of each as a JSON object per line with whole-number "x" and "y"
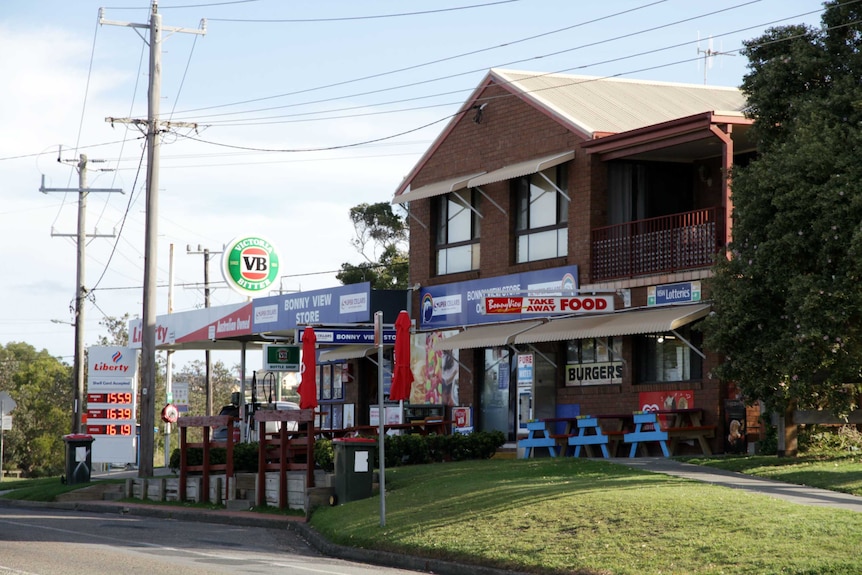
{"x": 308, "y": 385}
{"x": 402, "y": 375}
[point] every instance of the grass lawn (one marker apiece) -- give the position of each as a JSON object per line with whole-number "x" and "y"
{"x": 838, "y": 473}
{"x": 555, "y": 516}
{"x": 41, "y": 489}
{"x": 589, "y": 517}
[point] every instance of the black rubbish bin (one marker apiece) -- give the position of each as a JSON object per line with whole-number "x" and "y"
{"x": 354, "y": 469}
{"x": 79, "y": 458}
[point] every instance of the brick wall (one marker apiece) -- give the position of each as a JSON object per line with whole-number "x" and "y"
{"x": 512, "y": 131}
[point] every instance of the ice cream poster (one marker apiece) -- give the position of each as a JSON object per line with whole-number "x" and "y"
{"x": 435, "y": 371}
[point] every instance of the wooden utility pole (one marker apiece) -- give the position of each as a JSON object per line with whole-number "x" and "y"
{"x": 154, "y": 127}
{"x": 207, "y": 355}
{"x": 80, "y": 288}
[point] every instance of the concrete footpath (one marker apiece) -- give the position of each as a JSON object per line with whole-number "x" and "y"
{"x": 800, "y": 494}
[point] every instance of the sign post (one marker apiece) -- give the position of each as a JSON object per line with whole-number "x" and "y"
{"x": 7, "y": 405}
{"x": 381, "y": 417}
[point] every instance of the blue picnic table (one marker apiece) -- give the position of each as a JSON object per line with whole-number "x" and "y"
{"x": 589, "y": 433}
{"x": 537, "y": 436}
{"x": 640, "y": 436}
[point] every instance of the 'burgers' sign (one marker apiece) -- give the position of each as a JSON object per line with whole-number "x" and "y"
{"x": 548, "y": 304}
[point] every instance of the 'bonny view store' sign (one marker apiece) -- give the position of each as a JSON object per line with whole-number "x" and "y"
{"x": 462, "y": 303}
{"x": 343, "y": 304}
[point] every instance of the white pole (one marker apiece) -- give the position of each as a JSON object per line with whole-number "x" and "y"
{"x": 2, "y": 415}
{"x": 381, "y": 415}
{"x": 169, "y": 391}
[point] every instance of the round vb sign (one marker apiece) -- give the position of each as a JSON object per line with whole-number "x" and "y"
{"x": 250, "y": 265}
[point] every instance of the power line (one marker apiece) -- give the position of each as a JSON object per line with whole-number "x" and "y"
{"x": 78, "y": 148}
{"x": 374, "y": 17}
{"x": 326, "y": 148}
{"x": 579, "y": 81}
{"x": 430, "y": 63}
{"x": 458, "y": 91}
{"x": 513, "y": 62}
{"x": 253, "y": 149}
{"x": 254, "y": 121}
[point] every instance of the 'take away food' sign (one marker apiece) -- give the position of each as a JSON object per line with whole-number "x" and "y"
{"x": 548, "y": 304}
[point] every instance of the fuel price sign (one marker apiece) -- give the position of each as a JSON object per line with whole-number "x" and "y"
{"x": 111, "y": 404}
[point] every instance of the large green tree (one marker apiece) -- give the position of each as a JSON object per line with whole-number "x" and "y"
{"x": 788, "y": 296}
{"x": 41, "y": 386}
{"x": 381, "y": 237}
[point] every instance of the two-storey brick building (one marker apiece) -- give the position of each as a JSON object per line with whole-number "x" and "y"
{"x": 557, "y": 184}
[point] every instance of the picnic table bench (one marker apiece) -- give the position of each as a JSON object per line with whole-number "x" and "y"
{"x": 537, "y": 436}
{"x": 667, "y": 428}
{"x": 686, "y": 424}
{"x": 640, "y": 436}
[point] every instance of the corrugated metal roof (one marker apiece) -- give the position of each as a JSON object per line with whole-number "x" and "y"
{"x": 521, "y": 169}
{"x": 491, "y": 335}
{"x": 594, "y": 104}
{"x": 655, "y": 320}
{"x": 436, "y": 189}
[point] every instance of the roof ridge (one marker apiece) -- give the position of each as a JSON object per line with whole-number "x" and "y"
{"x": 508, "y": 71}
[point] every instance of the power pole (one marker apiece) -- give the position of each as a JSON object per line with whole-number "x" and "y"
{"x": 209, "y": 383}
{"x": 80, "y": 288}
{"x": 154, "y": 127}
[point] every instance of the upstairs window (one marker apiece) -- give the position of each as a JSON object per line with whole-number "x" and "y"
{"x": 541, "y": 225}
{"x": 457, "y": 245}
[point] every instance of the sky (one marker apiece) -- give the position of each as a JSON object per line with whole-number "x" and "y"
{"x": 300, "y": 111}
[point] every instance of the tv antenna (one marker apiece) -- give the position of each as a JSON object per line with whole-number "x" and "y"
{"x": 708, "y": 55}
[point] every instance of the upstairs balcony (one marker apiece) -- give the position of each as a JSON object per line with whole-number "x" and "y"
{"x": 659, "y": 245}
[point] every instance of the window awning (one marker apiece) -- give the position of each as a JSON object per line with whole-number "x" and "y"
{"x": 435, "y": 189}
{"x": 345, "y": 352}
{"x": 520, "y": 169}
{"x": 656, "y": 320}
{"x": 495, "y": 335}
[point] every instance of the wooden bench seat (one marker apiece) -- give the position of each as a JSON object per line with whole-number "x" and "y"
{"x": 708, "y": 430}
{"x": 696, "y": 432}
{"x": 562, "y": 440}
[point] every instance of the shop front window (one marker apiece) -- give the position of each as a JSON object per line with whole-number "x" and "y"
{"x": 494, "y": 400}
{"x": 329, "y": 385}
{"x": 594, "y": 361}
{"x": 667, "y": 358}
{"x": 330, "y": 393}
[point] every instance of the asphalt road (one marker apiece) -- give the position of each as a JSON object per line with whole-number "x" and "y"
{"x": 47, "y": 541}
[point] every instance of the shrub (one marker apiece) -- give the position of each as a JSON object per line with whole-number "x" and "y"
{"x": 408, "y": 449}
{"x": 828, "y": 439}
{"x": 417, "y": 449}
{"x": 245, "y": 457}
{"x": 324, "y": 456}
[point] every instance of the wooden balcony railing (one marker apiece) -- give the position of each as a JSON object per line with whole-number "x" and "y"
{"x": 657, "y": 245}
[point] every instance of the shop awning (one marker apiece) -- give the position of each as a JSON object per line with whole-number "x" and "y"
{"x": 655, "y": 320}
{"x": 435, "y": 189}
{"x": 495, "y": 335}
{"x": 520, "y": 169}
{"x": 345, "y": 352}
